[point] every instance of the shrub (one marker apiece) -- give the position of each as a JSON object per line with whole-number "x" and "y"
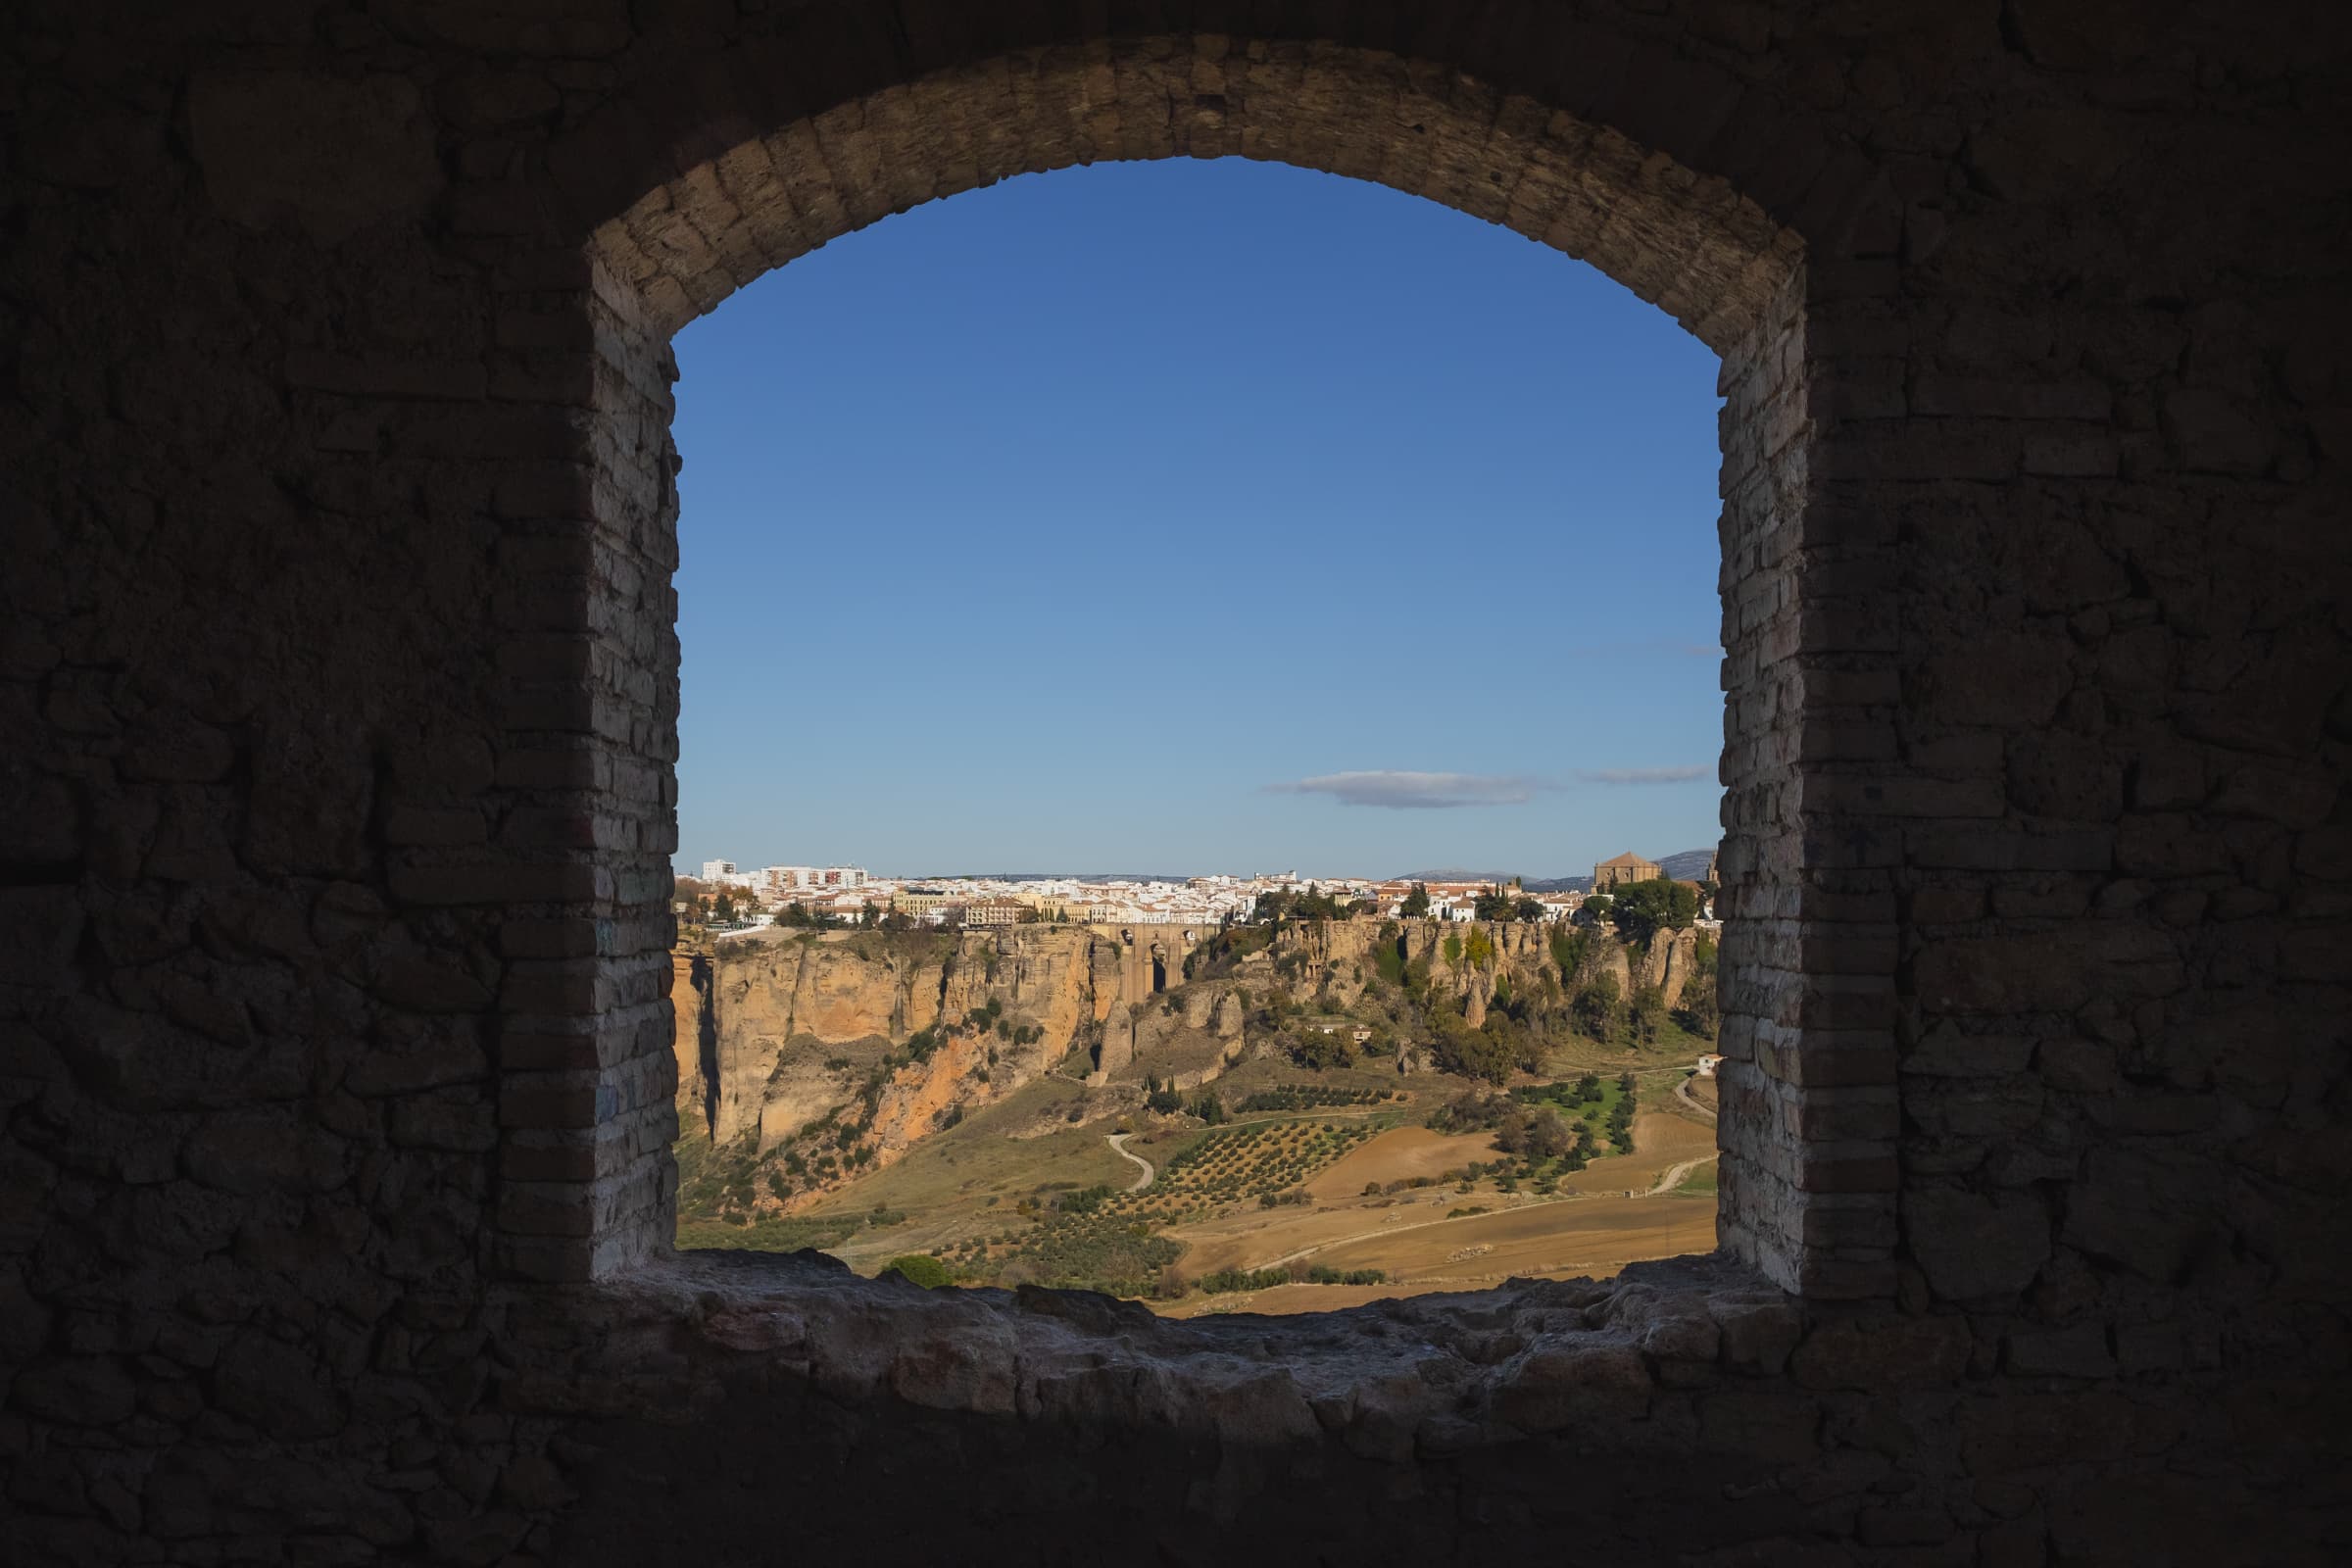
{"x": 918, "y": 1268}
{"x": 1236, "y": 1279}
{"x": 1084, "y": 1201}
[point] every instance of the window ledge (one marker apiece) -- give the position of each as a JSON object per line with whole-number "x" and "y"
{"x": 1420, "y": 1375}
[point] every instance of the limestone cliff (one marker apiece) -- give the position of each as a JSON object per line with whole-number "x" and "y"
{"x": 810, "y": 1057}
{"x": 1326, "y": 968}
{"x": 783, "y": 1019}
{"x": 1340, "y": 957}
{"x": 816, "y": 1056}
{"x": 1669, "y": 961}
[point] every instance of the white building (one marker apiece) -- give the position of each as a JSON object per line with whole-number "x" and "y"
{"x": 717, "y": 870}
{"x": 783, "y": 881}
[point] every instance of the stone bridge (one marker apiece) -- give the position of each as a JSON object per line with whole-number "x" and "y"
{"x": 1151, "y": 953}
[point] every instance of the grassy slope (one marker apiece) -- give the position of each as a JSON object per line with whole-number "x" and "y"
{"x": 967, "y": 1179}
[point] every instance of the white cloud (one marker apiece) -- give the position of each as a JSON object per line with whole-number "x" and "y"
{"x": 1398, "y": 790}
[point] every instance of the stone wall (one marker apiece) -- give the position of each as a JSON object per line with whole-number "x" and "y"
{"x": 338, "y": 668}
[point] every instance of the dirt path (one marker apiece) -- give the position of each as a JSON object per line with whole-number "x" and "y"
{"x": 1682, "y": 1091}
{"x": 1419, "y": 1225}
{"x": 1118, "y": 1146}
{"x": 1673, "y": 1175}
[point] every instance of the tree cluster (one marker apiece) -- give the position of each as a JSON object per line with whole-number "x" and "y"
{"x": 1641, "y": 910}
{"x": 1274, "y": 908}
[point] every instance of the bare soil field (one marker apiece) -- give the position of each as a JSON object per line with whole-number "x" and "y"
{"x": 1579, "y": 1237}
{"x": 1399, "y": 1154}
{"x": 1565, "y": 1239}
{"x": 1661, "y": 1141}
{"x": 1410, "y": 1235}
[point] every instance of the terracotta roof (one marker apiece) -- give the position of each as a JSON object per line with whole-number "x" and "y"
{"x": 1629, "y": 857}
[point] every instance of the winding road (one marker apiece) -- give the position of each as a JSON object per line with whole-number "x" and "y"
{"x": 1118, "y": 1146}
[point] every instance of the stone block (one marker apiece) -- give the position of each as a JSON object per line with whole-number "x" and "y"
{"x": 2209, "y": 433}
{"x": 1592, "y": 1384}
{"x": 332, "y": 153}
{"x": 2080, "y": 1352}
{"x": 2150, "y": 1210}
{"x": 1975, "y": 1244}
{"x": 1756, "y": 1336}
{"x": 2015, "y": 1430}
{"x": 1881, "y": 1352}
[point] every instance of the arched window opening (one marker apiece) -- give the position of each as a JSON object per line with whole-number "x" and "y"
{"x": 962, "y": 485}
{"x": 1799, "y": 1198}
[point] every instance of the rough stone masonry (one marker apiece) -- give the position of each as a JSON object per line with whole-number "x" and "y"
{"x": 338, "y": 682}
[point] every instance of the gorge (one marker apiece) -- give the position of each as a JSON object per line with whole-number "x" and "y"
{"x": 806, "y": 1060}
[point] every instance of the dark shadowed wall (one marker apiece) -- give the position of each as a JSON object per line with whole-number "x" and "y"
{"x": 338, "y": 685}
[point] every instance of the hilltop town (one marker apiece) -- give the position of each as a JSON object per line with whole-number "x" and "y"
{"x": 727, "y": 899}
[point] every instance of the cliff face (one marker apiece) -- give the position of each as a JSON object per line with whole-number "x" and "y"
{"x": 1342, "y": 956}
{"x": 792, "y": 1037}
{"x": 788, "y": 1026}
{"x": 1668, "y": 964}
{"x": 814, "y": 1056}
{"x": 1331, "y": 965}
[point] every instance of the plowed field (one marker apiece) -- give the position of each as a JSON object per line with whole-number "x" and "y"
{"x": 1417, "y": 1237}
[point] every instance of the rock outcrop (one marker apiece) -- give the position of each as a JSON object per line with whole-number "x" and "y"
{"x": 1668, "y": 962}
{"x": 779, "y": 1032}
{"x": 784, "y": 1022}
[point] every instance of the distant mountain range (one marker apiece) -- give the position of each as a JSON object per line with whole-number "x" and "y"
{"x": 1455, "y": 874}
{"x": 1688, "y": 866}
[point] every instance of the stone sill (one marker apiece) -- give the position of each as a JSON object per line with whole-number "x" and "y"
{"x": 1418, "y": 1376}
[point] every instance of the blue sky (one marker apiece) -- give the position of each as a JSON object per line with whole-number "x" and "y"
{"x": 1193, "y": 517}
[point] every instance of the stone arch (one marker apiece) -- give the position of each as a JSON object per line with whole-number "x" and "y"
{"x": 1688, "y": 243}
{"x": 671, "y": 199}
